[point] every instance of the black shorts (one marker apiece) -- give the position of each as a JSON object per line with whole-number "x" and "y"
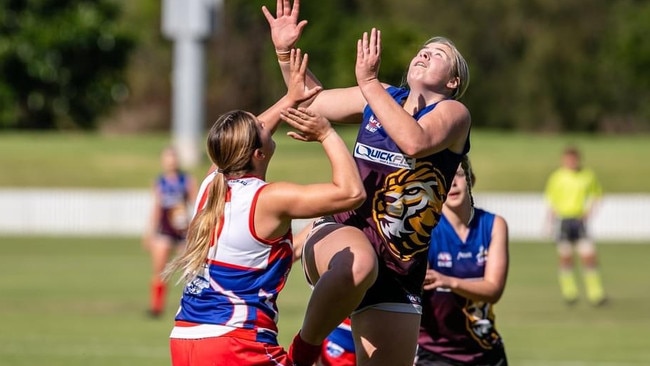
{"x": 497, "y": 357}
{"x": 571, "y": 230}
{"x": 391, "y": 291}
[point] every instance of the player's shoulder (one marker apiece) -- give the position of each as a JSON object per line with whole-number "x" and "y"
{"x": 487, "y": 215}
{"x": 500, "y": 220}
{"x": 453, "y": 106}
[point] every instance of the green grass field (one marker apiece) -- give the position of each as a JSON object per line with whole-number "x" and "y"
{"x": 82, "y": 301}
{"x": 75, "y": 301}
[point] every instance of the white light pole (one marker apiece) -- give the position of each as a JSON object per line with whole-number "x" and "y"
{"x": 188, "y": 23}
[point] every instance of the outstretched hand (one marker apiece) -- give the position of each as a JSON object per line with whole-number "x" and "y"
{"x": 285, "y": 28}
{"x": 368, "y": 57}
{"x": 309, "y": 125}
{"x": 297, "y": 90}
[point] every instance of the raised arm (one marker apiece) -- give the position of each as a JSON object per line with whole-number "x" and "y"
{"x": 285, "y": 33}
{"x": 445, "y": 127}
{"x": 340, "y": 105}
{"x": 281, "y": 202}
{"x": 345, "y": 190}
{"x": 297, "y": 90}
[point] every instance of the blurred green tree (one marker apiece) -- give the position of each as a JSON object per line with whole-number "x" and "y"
{"x": 546, "y": 65}
{"x": 624, "y": 62}
{"x": 61, "y": 62}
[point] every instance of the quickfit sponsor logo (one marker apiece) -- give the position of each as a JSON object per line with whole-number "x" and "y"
{"x": 384, "y": 157}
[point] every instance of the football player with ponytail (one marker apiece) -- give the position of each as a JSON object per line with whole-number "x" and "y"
{"x": 239, "y": 246}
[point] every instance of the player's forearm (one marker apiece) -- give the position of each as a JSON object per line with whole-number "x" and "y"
{"x": 480, "y": 290}
{"x": 271, "y": 116}
{"x": 398, "y": 124}
{"x": 345, "y": 173}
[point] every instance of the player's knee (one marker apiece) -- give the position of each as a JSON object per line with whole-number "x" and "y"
{"x": 586, "y": 248}
{"x": 357, "y": 270}
{"x": 364, "y": 270}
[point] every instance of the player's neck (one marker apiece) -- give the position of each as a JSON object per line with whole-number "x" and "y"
{"x": 459, "y": 217}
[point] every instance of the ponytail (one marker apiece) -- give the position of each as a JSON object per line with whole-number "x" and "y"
{"x": 231, "y": 142}
{"x": 201, "y": 233}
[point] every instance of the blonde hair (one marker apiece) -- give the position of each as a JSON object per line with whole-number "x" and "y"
{"x": 459, "y": 67}
{"x": 231, "y": 142}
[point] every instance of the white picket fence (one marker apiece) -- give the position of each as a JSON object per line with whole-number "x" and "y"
{"x": 87, "y": 212}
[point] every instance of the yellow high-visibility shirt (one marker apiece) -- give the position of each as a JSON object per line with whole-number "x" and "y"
{"x": 569, "y": 192}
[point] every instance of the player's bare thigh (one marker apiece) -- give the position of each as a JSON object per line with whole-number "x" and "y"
{"x": 377, "y": 345}
{"x": 344, "y": 247}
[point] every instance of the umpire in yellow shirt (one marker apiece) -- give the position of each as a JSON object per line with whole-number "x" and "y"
{"x": 572, "y": 193}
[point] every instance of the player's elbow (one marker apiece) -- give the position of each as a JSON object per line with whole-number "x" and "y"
{"x": 416, "y": 148}
{"x": 344, "y": 199}
{"x": 494, "y": 295}
{"x": 411, "y": 149}
{"x": 356, "y": 198}
{"x": 493, "y": 299}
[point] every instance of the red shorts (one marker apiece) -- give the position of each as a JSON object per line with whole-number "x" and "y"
{"x": 217, "y": 351}
{"x": 334, "y": 355}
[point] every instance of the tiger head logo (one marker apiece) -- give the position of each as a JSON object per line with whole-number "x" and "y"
{"x": 408, "y": 207}
{"x": 479, "y": 320}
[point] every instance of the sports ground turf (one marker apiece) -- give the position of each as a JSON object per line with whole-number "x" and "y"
{"x": 82, "y": 301}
